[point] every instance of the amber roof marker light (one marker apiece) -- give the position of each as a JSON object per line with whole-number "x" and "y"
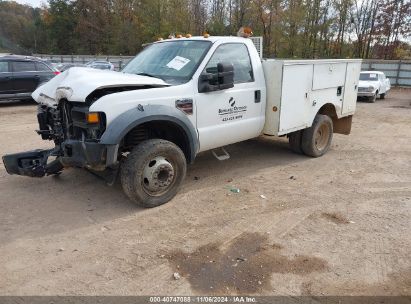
{"x": 245, "y": 32}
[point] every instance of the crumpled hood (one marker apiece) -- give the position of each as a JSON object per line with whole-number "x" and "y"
{"x": 77, "y": 83}
{"x": 366, "y": 84}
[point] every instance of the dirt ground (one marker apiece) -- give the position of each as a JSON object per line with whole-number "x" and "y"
{"x": 336, "y": 225}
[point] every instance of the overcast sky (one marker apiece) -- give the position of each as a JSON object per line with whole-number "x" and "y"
{"x": 35, "y": 3}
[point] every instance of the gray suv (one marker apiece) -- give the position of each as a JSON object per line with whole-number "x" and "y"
{"x": 21, "y": 75}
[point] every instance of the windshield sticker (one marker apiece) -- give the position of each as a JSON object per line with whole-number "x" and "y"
{"x": 373, "y": 75}
{"x": 178, "y": 63}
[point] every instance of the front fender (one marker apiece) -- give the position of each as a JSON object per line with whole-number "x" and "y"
{"x": 130, "y": 119}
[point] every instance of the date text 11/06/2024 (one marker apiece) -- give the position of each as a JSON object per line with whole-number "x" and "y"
{"x": 203, "y": 299}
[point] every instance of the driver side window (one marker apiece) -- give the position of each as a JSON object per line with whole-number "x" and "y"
{"x": 237, "y": 55}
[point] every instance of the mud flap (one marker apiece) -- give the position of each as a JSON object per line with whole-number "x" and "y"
{"x": 343, "y": 125}
{"x": 31, "y": 163}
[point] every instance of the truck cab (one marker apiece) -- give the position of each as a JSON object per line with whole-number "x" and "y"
{"x": 185, "y": 64}
{"x": 179, "y": 97}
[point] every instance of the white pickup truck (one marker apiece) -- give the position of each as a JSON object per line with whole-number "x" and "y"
{"x": 179, "y": 97}
{"x": 373, "y": 84}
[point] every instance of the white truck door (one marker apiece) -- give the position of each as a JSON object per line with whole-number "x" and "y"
{"x": 351, "y": 88}
{"x": 385, "y": 85}
{"x": 231, "y": 115}
{"x": 382, "y": 84}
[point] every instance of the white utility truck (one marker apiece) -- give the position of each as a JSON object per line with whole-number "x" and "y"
{"x": 179, "y": 97}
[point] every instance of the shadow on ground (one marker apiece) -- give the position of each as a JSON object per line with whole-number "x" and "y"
{"x": 78, "y": 198}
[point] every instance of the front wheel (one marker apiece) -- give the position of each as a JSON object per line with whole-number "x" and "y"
{"x": 153, "y": 172}
{"x": 373, "y": 98}
{"x": 316, "y": 140}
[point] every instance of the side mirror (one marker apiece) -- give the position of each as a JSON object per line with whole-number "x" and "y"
{"x": 222, "y": 79}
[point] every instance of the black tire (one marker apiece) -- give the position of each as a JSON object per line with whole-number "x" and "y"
{"x": 382, "y": 96}
{"x": 294, "y": 140}
{"x": 165, "y": 165}
{"x": 316, "y": 140}
{"x": 373, "y": 98}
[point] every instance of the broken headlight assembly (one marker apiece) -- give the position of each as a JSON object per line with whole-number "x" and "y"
{"x": 70, "y": 122}
{"x": 86, "y": 125}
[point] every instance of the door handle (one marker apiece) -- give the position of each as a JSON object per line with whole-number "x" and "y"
{"x": 257, "y": 96}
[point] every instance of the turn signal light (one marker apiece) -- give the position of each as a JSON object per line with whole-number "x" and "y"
{"x": 93, "y": 118}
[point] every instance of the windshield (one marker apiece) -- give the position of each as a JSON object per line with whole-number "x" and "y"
{"x": 172, "y": 61}
{"x": 369, "y": 76}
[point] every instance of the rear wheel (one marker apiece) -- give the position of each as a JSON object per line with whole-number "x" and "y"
{"x": 382, "y": 96}
{"x": 153, "y": 172}
{"x": 316, "y": 140}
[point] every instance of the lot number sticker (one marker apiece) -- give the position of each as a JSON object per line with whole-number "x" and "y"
{"x": 178, "y": 63}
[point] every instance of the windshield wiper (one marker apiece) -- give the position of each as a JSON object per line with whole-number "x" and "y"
{"x": 148, "y": 75}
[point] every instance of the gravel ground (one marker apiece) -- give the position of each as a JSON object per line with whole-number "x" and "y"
{"x": 335, "y": 225}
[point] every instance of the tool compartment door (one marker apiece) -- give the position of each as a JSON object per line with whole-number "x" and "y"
{"x": 296, "y": 87}
{"x": 329, "y": 75}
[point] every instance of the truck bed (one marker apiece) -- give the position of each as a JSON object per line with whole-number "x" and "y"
{"x": 297, "y": 89}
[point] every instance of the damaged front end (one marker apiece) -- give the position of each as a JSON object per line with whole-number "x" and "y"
{"x": 63, "y": 117}
{"x": 36, "y": 163}
{"x": 76, "y": 142}
{"x": 32, "y": 163}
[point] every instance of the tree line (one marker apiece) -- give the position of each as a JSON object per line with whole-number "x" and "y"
{"x": 290, "y": 28}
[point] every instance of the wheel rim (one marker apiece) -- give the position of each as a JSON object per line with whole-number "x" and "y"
{"x": 158, "y": 176}
{"x": 321, "y": 137}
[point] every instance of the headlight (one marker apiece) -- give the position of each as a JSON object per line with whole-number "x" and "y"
{"x": 370, "y": 88}
{"x": 63, "y": 92}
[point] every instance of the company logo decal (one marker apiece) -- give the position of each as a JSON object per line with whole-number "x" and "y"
{"x": 232, "y": 112}
{"x": 231, "y": 102}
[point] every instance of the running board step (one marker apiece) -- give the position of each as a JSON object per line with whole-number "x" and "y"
{"x": 221, "y": 157}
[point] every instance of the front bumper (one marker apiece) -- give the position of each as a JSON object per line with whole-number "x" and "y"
{"x": 77, "y": 153}
{"x": 366, "y": 94}
{"x": 32, "y": 163}
{"x": 71, "y": 153}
